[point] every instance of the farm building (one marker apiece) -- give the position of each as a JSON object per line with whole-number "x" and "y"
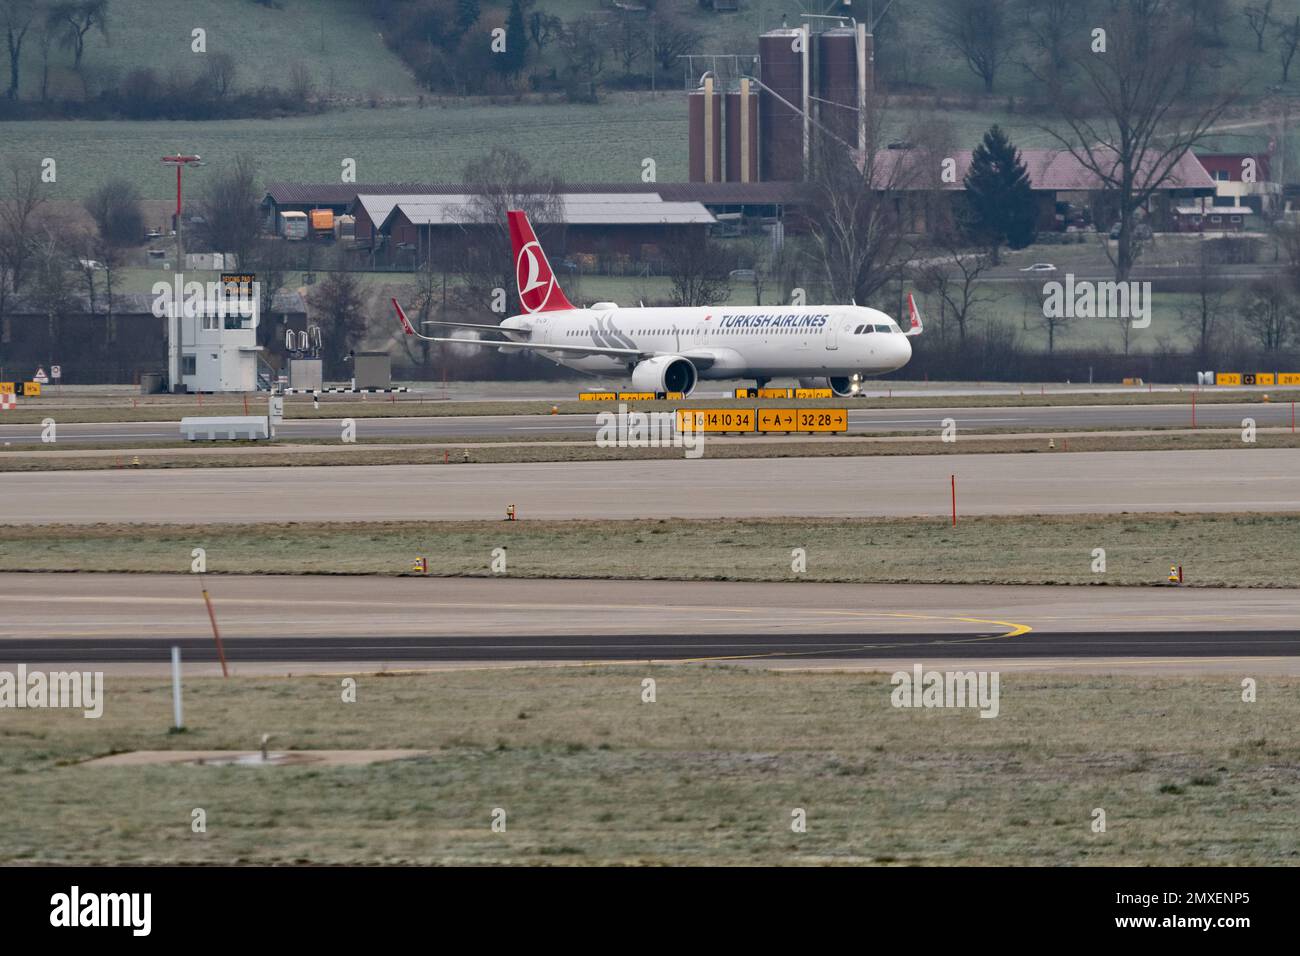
{"x": 633, "y": 225}
{"x": 1243, "y": 192}
{"x": 371, "y": 205}
{"x": 1060, "y": 183}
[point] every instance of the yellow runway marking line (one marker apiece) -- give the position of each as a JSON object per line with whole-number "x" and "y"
{"x": 1016, "y": 630}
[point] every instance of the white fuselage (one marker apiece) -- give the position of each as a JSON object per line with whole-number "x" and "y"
{"x": 740, "y": 342}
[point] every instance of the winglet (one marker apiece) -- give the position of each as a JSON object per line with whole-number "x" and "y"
{"x": 915, "y": 314}
{"x": 407, "y": 327}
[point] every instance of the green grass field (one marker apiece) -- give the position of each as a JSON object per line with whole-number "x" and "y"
{"x": 402, "y": 144}
{"x": 710, "y": 773}
{"x": 337, "y": 40}
{"x": 580, "y": 448}
{"x": 92, "y": 407}
{"x": 1229, "y": 550}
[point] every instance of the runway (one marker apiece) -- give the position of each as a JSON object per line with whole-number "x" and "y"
{"x": 530, "y": 427}
{"x": 135, "y": 619}
{"x": 1249, "y": 479}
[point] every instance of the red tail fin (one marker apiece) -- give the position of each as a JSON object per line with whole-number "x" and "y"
{"x": 538, "y": 290}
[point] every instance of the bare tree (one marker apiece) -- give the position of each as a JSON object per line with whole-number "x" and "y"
{"x": 220, "y": 74}
{"x": 230, "y": 208}
{"x": 952, "y": 271}
{"x": 1140, "y": 109}
{"x": 500, "y": 181}
{"x": 1288, "y": 36}
{"x": 427, "y": 297}
{"x": 338, "y": 307}
{"x": 46, "y": 34}
{"x": 268, "y": 259}
{"x": 980, "y": 31}
{"x": 1036, "y": 313}
{"x": 119, "y": 224}
{"x": 1202, "y": 317}
{"x": 53, "y": 279}
{"x": 543, "y": 28}
{"x": 301, "y": 84}
{"x": 18, "y": 225}
{"x": 1260, "y": 18}
{"x": 115, "y": 208}
{"x": 76, "y": 19}
{"x": 629, "y": 41}
{"x": 16, "y": 16}
{"x": 699, "y": 270}
{"x": 862, "y": 206}
{"x": 671, "y": 37}
{"x": 1051, "y": 27}
{"x": 1269, "y": 313}
{"x": 768, "y": 263}
{"x": 586, "y": 43}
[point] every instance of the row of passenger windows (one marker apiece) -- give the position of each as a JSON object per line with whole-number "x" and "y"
{"x": 738, "y": 331}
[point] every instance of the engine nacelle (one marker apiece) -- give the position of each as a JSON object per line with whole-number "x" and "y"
{"x": 841, "y": 387}
{"x": 665, "y": 373}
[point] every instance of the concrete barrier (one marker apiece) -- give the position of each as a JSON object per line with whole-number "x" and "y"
{"x": 228, "y": 428}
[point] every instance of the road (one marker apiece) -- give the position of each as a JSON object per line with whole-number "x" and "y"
{"x": 861, "y": 421}
{"x": 1247, "y": 479}
{"x": 106, "y": 618}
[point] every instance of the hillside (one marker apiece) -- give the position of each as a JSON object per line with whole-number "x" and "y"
{"x": 336, "y": 40}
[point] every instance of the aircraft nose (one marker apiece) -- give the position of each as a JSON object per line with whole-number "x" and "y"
{"x": 905, "y": 352}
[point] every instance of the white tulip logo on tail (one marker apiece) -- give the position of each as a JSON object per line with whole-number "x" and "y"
{"x": 528, "y": 274}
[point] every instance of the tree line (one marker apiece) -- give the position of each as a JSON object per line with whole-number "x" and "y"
{"x": 459, "y": 47}
{"x": 212, "y": 90}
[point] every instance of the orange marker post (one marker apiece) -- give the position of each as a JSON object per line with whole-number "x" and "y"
{"x": 216, "y": 634}
{"x": 954, "y": 500}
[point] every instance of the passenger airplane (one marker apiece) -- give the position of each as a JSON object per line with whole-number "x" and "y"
{"x": 671, "y": 349}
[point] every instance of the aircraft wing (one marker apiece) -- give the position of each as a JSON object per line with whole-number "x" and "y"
{"x": 469, "y": 325}
{"x": 409, "y": 329}
{"x": 700, "y": 358}
{"x": 541, "y": 347}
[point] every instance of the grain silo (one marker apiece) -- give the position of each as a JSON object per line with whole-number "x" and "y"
{"x": 705, "y": 139}
{"x": 784, "y": 72}
{"x": 742, "y": 135}
{"x": 837, "y": 81}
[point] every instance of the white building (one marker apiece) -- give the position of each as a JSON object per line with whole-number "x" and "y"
{"x": 211, "y": 338}
{"x": 219, "y": 354}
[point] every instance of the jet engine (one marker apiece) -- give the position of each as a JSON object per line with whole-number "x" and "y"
{"x": 842, "y": 387}
{"x": 665, "y": 373}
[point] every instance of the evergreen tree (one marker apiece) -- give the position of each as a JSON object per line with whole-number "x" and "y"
{"x": 999, "y": 198}
{"x": 467, "y": 14}
{"x": 516, "y": 40}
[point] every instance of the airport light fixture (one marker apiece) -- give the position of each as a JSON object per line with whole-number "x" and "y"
{"x": 174, "y": 344}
